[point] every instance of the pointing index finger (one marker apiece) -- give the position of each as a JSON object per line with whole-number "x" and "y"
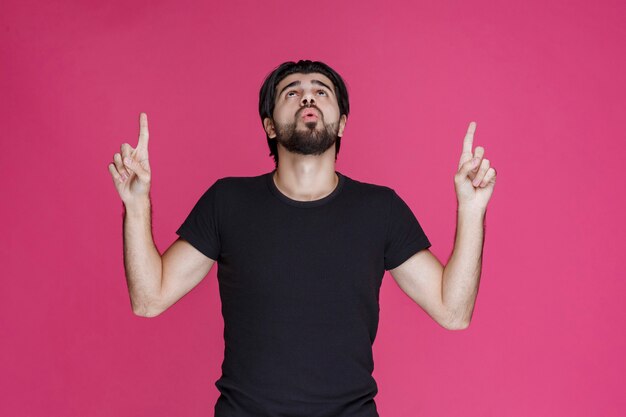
{"x": 143, "y": 132}
{"x": 469, "y": 138}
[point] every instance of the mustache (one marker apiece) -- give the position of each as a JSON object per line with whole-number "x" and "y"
{"x": 299, "y": 112}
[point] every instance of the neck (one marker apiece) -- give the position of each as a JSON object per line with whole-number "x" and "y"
{"x": 306, "y": 177}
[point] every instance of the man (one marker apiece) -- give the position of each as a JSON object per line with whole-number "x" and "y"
{"x": 301, "y": 252}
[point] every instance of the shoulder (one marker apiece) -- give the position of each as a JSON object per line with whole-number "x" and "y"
{"x": 369, "y": 190}
{"x": 232, "y": 183}
{"x": 229, "y": 186}
{"x": 240, "y": 190}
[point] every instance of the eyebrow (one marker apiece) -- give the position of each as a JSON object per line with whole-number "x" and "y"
{"x": 294, "y": 83}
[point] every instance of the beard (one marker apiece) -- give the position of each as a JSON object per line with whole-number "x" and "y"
{"x": 308, "y": 141}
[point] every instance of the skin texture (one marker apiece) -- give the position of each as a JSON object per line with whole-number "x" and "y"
{"x": 298, "y": 176}
{"x": 155, "y": 281}
{"x": 445, "y": 293}
{"x": 448, "y": 294}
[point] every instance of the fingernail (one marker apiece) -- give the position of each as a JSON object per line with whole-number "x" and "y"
{"x": 127, "y": 161}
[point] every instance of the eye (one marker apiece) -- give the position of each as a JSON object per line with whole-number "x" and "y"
{"x": 322, "y": 92}
{"x": 289, "y": 93}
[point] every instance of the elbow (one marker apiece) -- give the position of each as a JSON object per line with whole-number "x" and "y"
{"x": 146, "y": 313}
{"x": 457, "y": 325}
{"x": 145, "y": 310}
{"x": 455, "y": 322}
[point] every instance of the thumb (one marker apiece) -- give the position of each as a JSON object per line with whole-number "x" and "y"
{"x": 136, "y": 167}
{"x": 469, "y": 166}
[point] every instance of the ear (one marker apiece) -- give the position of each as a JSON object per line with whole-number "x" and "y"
{"x": 268, "y": 125}
{"x": 342, "y": 124}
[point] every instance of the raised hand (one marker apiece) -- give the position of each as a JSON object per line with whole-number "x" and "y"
{"x": 130, "y": 169}
{"x": 475, "y": 179}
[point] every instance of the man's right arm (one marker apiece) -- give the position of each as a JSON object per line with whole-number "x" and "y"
{"x": 156, "y": 282}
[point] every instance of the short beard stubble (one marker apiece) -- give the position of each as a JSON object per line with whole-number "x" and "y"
{"x": 309, "y": 141}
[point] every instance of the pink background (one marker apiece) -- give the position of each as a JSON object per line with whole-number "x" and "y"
{"x": 543, "y": 80}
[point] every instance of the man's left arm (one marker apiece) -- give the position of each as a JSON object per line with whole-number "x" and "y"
{"x": 448, "y": 294}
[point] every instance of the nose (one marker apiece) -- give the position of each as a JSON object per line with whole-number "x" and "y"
{"x": 307, "y": 100}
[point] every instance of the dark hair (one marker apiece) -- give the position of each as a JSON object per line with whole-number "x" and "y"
{"x": 267, "y": 95}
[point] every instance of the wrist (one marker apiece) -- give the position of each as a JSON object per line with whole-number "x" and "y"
{"x": 468, "y": 210}
{"x": 137, "y": 207}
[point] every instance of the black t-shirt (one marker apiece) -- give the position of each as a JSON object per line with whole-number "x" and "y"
{"x": 299, "y": 283}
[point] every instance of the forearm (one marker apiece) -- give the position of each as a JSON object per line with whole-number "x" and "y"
{"x": 461, "y": 276}
{"x": 142, "y": 260}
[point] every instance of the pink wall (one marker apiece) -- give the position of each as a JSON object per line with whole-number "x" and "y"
{"x": 543, "y": 80}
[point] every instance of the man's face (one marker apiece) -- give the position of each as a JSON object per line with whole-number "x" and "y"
{"x": 306, "y": 117}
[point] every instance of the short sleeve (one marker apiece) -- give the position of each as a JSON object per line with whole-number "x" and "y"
{"x": 200, "y": 228}
{"x": 405, "y": 236}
